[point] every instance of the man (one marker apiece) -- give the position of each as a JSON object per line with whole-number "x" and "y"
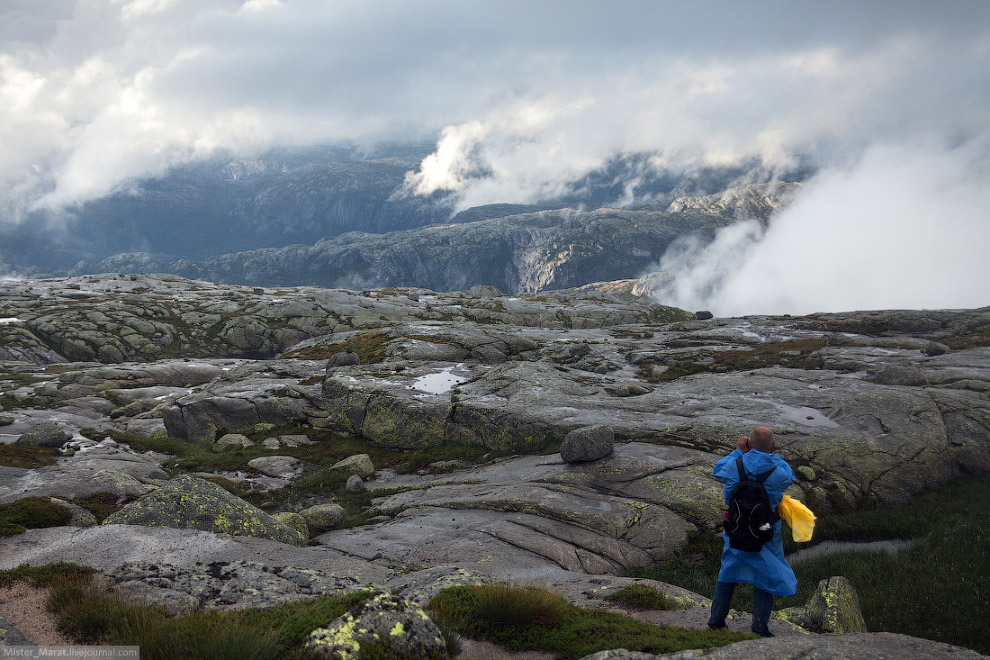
{"x": 766, "y": 570}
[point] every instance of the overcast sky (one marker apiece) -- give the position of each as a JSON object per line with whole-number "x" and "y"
{"x": 94, "y": 93}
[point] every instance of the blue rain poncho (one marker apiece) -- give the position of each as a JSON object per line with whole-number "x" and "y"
{"x": 767, "y": 568}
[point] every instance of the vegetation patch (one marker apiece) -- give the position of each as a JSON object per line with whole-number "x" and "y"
{"x": 90, "y": 615}
{"x": 530, "y": 619}
{"x": 45, "y": 576}
{"x": 100, "y": 504}
{"x": 936, "y": 589}
{"x": 31, "y": 513}
{"x": 797, "y": 354}
{"x": 27, "y": 455}
{"x": 369, "y": 346}
{"x": 318, "y": 482}
{"x": 641, "y": 597}
{"x": 971, "y": 340}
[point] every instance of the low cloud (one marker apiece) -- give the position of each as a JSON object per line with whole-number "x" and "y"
{"x": 905, "y": 226}
{"x": 525, "y": 97}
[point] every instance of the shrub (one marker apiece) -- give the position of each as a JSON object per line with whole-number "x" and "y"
{"x": 641, "y": 597}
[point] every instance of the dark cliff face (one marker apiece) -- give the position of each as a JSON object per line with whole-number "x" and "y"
{"x": 521, "y": 254}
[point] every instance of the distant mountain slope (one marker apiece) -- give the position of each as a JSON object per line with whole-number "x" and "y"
{"x": 288, "y": 197}
{"x": 522, "y": 253}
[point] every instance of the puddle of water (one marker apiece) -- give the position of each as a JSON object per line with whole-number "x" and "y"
{"x": 807, "y": 417}
{"x": 438, "y": 383}
{"x": 830, "y": 547}
{"x": 804, "y": 415}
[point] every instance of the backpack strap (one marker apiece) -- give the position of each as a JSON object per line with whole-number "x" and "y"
{"x": 760, "y": 478}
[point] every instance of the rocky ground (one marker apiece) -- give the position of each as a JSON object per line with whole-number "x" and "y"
{"x": 459, "y": 403}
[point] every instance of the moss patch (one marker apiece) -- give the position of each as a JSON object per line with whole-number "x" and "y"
{"x": 27, "y": 455}
{"x": 369, "y": 346}
{"x": 797, "y": 354}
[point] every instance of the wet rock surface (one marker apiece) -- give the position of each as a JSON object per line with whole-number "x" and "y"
{"x": 867, "y": 407}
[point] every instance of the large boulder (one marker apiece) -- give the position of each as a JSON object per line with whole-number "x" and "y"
{"x": 323, "y": 517}
{"x": 45, "y": 434}
{"x": 383, "y": 620}
{"x": 346, "y": 358}
{"x": 232, "y": 441}
{"x": 359, "y": 464}
{"x": 190, "y": 503}
{"x": 833, "y": 608}
{"x": 276, "y": 466}
{"x": 589, "y": 443}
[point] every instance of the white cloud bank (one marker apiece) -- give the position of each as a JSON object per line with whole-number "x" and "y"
{"x": 525, "y": 96}
{"x": 906, "y": 226}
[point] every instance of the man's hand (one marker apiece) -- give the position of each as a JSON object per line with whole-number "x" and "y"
{"x": 742, "y": 444}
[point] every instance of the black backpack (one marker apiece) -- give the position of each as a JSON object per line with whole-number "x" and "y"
{"x": 750, "y": 520}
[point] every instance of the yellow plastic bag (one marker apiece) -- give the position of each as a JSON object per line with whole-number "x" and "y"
{"x": 798, "y": 517}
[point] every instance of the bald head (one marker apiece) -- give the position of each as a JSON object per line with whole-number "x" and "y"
{"x": 761, "y": 439}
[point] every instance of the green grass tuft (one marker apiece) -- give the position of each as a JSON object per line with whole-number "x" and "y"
{"x": 641, "y": 597}
{"x": 521, "y": 619}
{"x": 43, "y": 576}
{"x": 31, "y": 513}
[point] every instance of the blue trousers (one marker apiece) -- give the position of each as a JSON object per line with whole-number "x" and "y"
{"x": 762, "y": 604}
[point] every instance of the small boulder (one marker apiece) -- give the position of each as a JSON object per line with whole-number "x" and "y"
{"x": 359, "y": 464}
{"x": 346, "y": 358}
{"x": 838, "y": 339}
{"x": 588, "y": 443}
{"x": 271, "y": 443}
{"x": 276, "y": 466}
{"x": 80, "y": 517}
{"x": 896, "y": 374}
{"x": 384, "y": 620}
{"x": 45, "y": 434}
{"x": 190, "y": 503}
{"x": 934, "y": 348}
{"x": 833, "y": 608}
{"x": 231, "y": 441}
{"x": 6, "y": 421}
{"x": 293, "y": 520}
{"x": 354, "y": 484}
{"x": 703, "y": 315}
{"x": 297, "y": 440}
{"x": 323, "y": 517}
